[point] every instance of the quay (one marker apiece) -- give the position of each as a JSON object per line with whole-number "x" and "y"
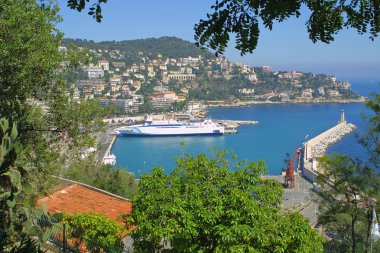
{"x": 317, "y": 147}
{"x": 106, "y": 141}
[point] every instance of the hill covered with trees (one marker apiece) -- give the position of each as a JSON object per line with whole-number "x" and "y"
{"x": 168, "y": 47}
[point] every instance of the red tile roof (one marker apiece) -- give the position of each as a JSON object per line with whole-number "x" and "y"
{"x": 78, "y": 198}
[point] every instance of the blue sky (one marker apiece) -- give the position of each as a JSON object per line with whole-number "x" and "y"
{"x": 286, "y": 47}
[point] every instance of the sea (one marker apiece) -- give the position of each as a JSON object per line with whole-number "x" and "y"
{"x": 281, "y": 129}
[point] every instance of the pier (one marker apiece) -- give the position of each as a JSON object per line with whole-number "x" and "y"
{"x": 232, "y": 125}
{"x": 317, "y": 147}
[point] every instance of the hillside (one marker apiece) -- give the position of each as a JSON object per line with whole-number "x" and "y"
{"x": 163, "y": 74}
{"x": 168, "y": 47}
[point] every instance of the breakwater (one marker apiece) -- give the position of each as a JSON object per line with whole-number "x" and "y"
{"x": 317, "y": 147}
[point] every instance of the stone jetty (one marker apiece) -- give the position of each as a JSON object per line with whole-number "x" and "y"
{"x": 318, "y": 146}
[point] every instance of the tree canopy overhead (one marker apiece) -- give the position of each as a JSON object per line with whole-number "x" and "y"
{"x": 243, "y": 17}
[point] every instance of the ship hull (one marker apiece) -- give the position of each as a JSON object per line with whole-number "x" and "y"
{"x": 172, "y": 129}
{"x": 168, "y": 134}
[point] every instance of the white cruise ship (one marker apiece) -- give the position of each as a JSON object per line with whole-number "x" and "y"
{"x": 171, "y": 128}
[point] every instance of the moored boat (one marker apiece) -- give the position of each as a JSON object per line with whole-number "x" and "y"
{"x": 172, "y": 128}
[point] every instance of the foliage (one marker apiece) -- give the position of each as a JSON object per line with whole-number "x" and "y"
{"x": 75, "y": 59}
{"x": 203, "y": 206}
{"x": 29, "y": 53}
{"x": 18, "y": 228}
{"x": 51, "y": 127}
{"x": 349, "y": 193}
{"x": 10, "y": 185}
{"x": 105, "y": 177}
{"x": 95, "y": 10}
{"x": 371, "y": 140}
{"x": 169, "y": 47}
{"x": 98, "y": 232}
{"x": 243, "y": 18}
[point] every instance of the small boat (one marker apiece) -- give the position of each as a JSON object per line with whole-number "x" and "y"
{"x": 109, "y": 159}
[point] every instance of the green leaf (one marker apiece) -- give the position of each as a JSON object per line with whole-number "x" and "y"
{"x": 58, "y": 217}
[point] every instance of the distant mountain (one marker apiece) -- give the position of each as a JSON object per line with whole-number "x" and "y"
{"x": 170, "y": 47}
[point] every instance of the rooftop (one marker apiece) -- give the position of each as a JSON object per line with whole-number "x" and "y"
{"x": 76, "y": 197}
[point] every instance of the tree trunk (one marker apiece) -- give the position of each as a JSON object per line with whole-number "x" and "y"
{"x": 353, "y": 222}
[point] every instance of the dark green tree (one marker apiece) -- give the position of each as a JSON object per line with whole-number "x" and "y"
{"x": 96, "y": 231}
{"x": 349, "y": 193}
{"x": 52, "y": 128}
{"x": 203, "y": 206}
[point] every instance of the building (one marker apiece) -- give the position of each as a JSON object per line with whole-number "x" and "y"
{"x": 291, "y": 75}
{"x": 119, "y": 64}
{"x": 246, "y": 91}
{"x": 252, "y": 77}
{"x": 160, "y": 88}
{"x": 307, "y": 93}
{"x": 346, "y": 85}
{"x": 266, "y": 69}
{"x": 333, "y": 93}
{"x": 103, "y": 64}
{"x": 95, "y": 72}
{"x": 177, "y": 76}
{"x": 321, "y": 91}
{"x": 163, "y": 100}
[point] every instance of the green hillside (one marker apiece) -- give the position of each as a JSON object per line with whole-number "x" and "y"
{"x": 171, "y": 47}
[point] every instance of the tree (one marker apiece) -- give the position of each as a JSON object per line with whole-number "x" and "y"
{"x": 371, "y": 139}
{"x": 19, "y": 231}
{"x": 105, "y": 177}
{"x": 243, "y": 17}
{"x": 52, "y": 128}
{"x": 203, "y": 206}
{"x": 96, "y": 231}
{"x": 349, "y": 192}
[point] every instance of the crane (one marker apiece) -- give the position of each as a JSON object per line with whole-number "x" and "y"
{"x": 289, "y": 176}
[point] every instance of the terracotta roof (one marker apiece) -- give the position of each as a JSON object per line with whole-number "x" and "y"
{"x": 79, "y": 198}
{"x": 168, "y": 92}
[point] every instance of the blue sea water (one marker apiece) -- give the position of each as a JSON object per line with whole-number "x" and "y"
{"x": 281, "y": 129}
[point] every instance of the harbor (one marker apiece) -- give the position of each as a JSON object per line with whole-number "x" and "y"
{"x": 269, "y": 140}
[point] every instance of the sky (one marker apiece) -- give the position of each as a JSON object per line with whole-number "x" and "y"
{"x": 286, "y": 47}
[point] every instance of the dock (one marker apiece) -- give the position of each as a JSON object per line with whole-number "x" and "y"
{"x": 106, "y": 140}
{"x": 232, "y": 125}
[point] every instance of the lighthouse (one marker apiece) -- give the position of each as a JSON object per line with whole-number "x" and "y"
{"x": 342, "y": 117}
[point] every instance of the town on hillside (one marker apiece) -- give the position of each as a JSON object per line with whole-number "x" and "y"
{"x": 152, "y": 81}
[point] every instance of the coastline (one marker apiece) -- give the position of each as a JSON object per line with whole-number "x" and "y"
{"x": 221, "y": 103}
